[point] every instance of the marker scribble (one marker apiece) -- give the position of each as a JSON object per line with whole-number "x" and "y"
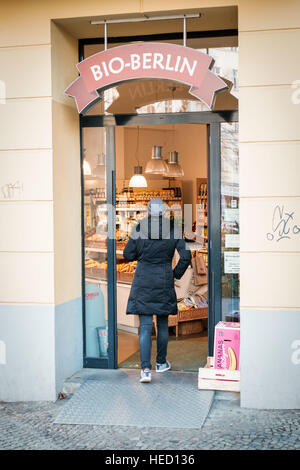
{"x": 283, "y": 225}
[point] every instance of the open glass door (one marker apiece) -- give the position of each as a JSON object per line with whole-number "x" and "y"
{"x": 230, "y": 238}
{"x": 98, "y": 228}
{"x": 223, "y": 210}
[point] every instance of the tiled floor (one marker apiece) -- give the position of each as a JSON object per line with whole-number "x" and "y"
{"x": 128, "y": 344}
{"x": 128, "y": 348}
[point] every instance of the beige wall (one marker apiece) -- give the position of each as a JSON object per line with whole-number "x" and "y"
{"x": 269, "y": 34}
{"x": 26, "y": 239}
{"x": 269, "y": 139}
{"x": 66, "y": 170}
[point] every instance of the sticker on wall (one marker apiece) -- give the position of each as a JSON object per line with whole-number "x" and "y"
{"x": 231, "y": 262}
{"x": 232, "y": 240}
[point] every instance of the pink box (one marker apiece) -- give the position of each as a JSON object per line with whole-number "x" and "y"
{"x": 227, "y": 346}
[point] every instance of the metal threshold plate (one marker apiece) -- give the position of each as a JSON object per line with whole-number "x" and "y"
{"x": 117, "y": 398}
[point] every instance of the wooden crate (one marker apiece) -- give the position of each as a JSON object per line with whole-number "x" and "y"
{"x": 125, "y": 277}
{"x": 190, "y": 327}
{"x": 209, "y": 362}
{"x": 218, "y": 379}
{"x": 98, "y": 273}
{"x": 101, "y": 245}
{"x": 192, "y": 314}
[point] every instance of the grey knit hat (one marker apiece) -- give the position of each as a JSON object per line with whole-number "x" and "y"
{"x": 156, "y": 207}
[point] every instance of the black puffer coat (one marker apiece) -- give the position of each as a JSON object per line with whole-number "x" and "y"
{"x": 153, "y": 242}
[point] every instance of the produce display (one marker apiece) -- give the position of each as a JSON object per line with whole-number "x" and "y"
{"x": 192, "y": 301}
{"x": 127, "y": 267}
{"x": 121, "y": 236}
{"x": 165, "y": 194}
{"x": 97, "y": 237}
{"x": 92, "y": 263}
{"x": 131, "y": 206}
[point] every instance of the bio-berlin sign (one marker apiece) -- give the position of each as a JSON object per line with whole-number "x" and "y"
{"x": 145, "y": 61}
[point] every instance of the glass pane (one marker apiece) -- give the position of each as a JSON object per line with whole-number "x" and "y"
{"x": 226, "y": 65}
{"x": 95, "y": 241}
{"x": 230, "y": 238}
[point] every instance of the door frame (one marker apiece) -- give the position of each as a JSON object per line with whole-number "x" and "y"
{"x": 213, "y": 120}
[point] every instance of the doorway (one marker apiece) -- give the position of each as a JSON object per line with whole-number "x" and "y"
{"x": 184, "y": 194}
{"x": 106, "y": 284}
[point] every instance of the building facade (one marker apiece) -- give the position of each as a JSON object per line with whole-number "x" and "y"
{"x": 41, "y": 334}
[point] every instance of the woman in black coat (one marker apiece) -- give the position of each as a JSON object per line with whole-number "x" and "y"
{"x": 153, "y": 242}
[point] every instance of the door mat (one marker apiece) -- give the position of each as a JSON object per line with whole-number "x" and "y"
{"x": 182, "y": 354}
{"x": 117, "y": 398}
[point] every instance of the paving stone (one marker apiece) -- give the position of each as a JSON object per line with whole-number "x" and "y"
{"x": 31, "y": 426}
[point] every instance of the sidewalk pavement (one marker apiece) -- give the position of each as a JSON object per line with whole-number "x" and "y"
{"x": 30, "y": 426}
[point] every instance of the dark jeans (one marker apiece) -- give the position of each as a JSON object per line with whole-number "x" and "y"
{"x": 146, "y": 341}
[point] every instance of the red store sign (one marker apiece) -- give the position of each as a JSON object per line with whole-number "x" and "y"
{"x": 145, "y": 61}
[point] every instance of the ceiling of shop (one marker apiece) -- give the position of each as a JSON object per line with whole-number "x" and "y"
{"x": 211, "y": 19}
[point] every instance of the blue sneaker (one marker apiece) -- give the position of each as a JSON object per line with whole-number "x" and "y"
{"x": 163, "y": 367}
{"x": 145, "y": 376}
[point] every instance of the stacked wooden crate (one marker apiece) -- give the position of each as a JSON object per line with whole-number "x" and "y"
{"x": 218, "y": 379}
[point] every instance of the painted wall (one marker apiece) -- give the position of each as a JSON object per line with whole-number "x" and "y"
{"x": 269, "y": 190}
{"x": 40, "y": 294}
{"x": 66, "y": 210}
{"x": 26, "y": 212}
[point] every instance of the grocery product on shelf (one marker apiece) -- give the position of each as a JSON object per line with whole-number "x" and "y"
{"x": 96, "y": 237}
{"x": 92, "y": 263}
{"x": 192, "y": 301}
{"x": 129, "y": 267}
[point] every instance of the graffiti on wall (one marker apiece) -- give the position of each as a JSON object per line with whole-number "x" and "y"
{"x": 284, "y": 225}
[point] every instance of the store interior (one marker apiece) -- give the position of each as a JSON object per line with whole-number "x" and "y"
{"x": 167, "y": 161}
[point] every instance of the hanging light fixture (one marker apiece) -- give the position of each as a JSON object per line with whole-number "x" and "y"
{"x": 174, "y": 170}
{"x": 86, "y": 166}
{"x": 138, "y": 180}
{"x": 99, "y": 169}
{"x": 156, "y": 166}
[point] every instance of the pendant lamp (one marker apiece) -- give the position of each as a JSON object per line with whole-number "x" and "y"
{"x": 86, "y": 168}
{"x": 174, "y": 170}
{"x": 99, "y": 170}
{"x": 156, "y": 166}
{"x": 138, "y": 180}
